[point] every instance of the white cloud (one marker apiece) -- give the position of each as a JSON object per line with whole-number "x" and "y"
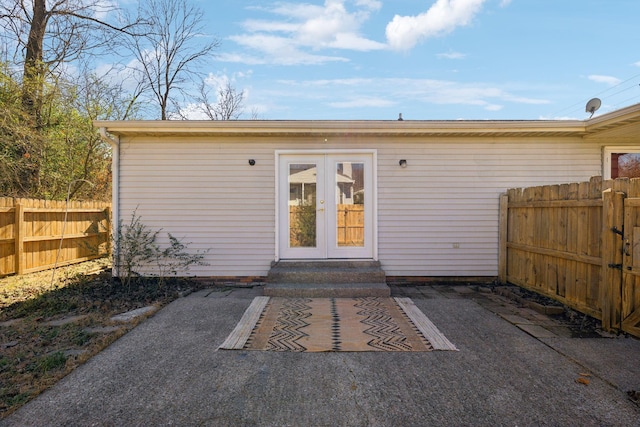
{"x": 452, "y": 55}
{"x": 559, "y": 118}
{"x": 524, "y": 100}
{"x": 333, "y": 26}
{"x": 355, "y": 82}
{"x": 493, "y": 107}
{"x": 119, "y": 74}
{"x": 363, "y": 102}
{"x": 370, "y": 4}
{"x": 275, "y": 50}
{"x": 359, "y": 92}
{"x": 105, "y": 9}
{"x": 241, "y": 58}
{"x": 193, "y": 112}
{"x": 609, "y": 80}
{"x": 352, "y": 41}
{"x": 404, "y": 32}
{"x": 218, "y": 80}
{"x": 305, "y": 27}
{"x": 255, "y": 25}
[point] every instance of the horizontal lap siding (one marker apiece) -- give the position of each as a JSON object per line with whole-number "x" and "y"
{"x": 207, "y": 195}
{"x": 203, "y": 190}
{"x": 448, "y": 194}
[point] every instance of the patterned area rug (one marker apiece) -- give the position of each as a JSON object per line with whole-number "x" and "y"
{"x": 335, "y": 324}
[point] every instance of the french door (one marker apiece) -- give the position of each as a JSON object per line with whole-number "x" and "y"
{"x": 325, "y": 206}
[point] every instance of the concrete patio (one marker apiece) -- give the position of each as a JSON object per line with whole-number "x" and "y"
{"x": 514, "y": 367}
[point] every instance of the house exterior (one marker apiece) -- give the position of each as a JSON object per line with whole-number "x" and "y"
{"x": 427, "y": 192}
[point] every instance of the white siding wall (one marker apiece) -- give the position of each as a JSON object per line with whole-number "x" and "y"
{"x": 207, "y": 195}
{"x": 449, "y": 194}
{"x": 203, "y": 191}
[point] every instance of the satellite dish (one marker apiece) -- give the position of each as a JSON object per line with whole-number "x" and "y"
{"x": 593, "y": 105}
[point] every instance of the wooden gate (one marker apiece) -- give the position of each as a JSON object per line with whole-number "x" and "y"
{"x": 630, "y": 296}
{"x": 577, "y": 243}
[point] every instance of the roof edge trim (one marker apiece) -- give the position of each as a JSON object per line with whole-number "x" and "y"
{"x": 351, "y": 127}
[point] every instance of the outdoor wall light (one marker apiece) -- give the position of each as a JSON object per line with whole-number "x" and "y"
{"x": 252, "y": 162}
{"x": 403, "y": 163}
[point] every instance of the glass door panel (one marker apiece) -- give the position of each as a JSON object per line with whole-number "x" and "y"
{"x": 350, "y": 228}
{"x": 301, "y": 221}
{"x": 345, "y": 182}
{"x": 302, "y": 205}
{"x": 349, "y": 196}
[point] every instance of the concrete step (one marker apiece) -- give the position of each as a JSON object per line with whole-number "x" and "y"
{"x": 325, "y": 272}
{"x": 325, "y": 279}
{"x": 326, "y": 290}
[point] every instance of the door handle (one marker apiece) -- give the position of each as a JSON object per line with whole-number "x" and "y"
{"x": 321, "y": 210}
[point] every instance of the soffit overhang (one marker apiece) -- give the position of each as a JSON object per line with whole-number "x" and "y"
{"x": 624, "y": 123}
{"x": 618, "y": 124}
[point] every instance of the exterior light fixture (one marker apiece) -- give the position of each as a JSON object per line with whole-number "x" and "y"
{"x": 403, "y": 163}
{"x": 252, "y": 162}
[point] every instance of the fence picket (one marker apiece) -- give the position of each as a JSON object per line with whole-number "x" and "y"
{"x": 31, "y": 232}
{"x": 565, "y": 241}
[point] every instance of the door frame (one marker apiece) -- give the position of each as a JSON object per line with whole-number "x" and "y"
{"x": 374, "y": 190}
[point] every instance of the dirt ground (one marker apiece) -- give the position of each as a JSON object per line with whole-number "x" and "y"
{"x": 53, "y": 321}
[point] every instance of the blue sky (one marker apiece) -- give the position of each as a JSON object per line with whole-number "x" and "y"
{"x": 429, "y": 59}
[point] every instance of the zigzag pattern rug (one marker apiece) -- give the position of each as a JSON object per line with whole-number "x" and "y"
{"x": 335, "y": 324}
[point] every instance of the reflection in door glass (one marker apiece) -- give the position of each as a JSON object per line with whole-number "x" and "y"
{"x": 350, "y": 204}
{"x": 302, "y": 205}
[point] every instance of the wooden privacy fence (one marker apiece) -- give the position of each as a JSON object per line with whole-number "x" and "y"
{"x": 579, "y": 244}
{"x": 40, "y": 234}
{"x": 349, "y": 225}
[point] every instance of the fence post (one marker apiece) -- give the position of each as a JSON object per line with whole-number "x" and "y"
{"x": 502, "y": 233}
{"x": 19, "y": 237}
{"x": 611, "y": 280}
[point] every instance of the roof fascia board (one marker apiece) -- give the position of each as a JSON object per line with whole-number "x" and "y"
{"x": 617, "y": 118}
{"x": 362, "y": 127}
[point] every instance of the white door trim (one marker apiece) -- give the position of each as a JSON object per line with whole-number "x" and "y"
{"x": 374, "y": 190}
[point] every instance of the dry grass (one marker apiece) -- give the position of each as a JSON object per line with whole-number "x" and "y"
{"x": 35, "y": 353}
{"x": 15, "y": 289}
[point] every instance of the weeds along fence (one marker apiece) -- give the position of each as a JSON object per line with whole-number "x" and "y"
{"x": 577, "y": 243}
{"x": 40, "y": 234}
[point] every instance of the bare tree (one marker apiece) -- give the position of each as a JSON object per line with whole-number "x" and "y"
{"x": 170, "y": 50}
{"x": 629, "y": 165}
{"x": 229, "y": 104}
{"x": 16, "y": 163}
{"x": 46, "y": 37}
{"x": 112, "y": 95}
{"x": 95, "y": 97}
